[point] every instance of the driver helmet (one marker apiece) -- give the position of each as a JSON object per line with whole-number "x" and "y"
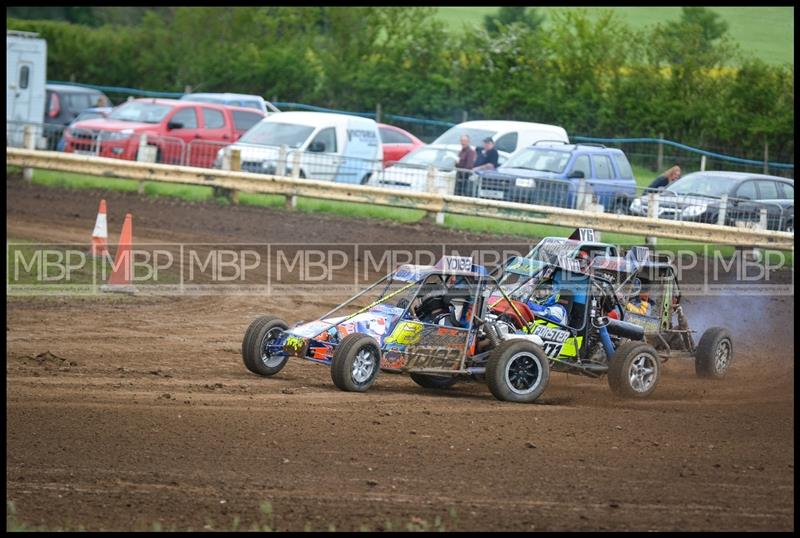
{"x": 557, "y": 313}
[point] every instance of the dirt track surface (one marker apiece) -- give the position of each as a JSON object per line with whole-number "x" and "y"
{"x": 123, "y": 412}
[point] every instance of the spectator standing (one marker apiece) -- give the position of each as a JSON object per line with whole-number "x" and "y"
{"x": 488, "y": 159}
{"x": 466, "y": 158}
{"x": 671, "y": 175}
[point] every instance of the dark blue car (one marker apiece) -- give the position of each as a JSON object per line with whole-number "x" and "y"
{"x": 550, "y": 173}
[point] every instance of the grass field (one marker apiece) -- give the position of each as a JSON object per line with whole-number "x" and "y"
{"x": 764, "y": 32}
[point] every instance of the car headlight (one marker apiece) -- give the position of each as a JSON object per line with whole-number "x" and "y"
{"x": 636, "y": 205}
{"x": 694, "y": 210}
{"x": 117, "y": 135}
{"x": 525, "y": 182}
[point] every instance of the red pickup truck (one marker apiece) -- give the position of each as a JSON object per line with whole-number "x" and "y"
{"x": 182, "y": 132}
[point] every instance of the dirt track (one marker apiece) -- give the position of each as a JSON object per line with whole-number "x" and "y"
{"x": 142, "y": 412}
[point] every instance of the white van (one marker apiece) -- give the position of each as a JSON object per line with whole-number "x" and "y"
{"x": 333, "y": 147}
{"x": 26, "y": 74}
{"x": 508, "y": 136}
{"x": 411, "y": 172}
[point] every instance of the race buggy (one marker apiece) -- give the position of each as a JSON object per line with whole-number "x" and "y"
{"x": 649, "y": 287}
{"x": 432, "y": 322}
{"x": 603, "y": 319}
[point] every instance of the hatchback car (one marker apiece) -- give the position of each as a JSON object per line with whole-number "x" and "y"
{"x": 397, "y": 143}
{"x": 549, "y": 173}
{"x": 64, "y": 103}
{"x": 697, "y": 197}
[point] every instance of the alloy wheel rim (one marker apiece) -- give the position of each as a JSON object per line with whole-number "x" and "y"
{"x": 523, "y": 373}
{"x": 722, "y": 356}
{"x": 363, "y": 366}
{"x": 269, "y": 360}
{"x": 642, "y": 372}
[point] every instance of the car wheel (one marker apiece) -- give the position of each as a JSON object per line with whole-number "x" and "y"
{"x": 517, "y": 371}
{"x": 261, "y": 332}
{"x": 434, "y": 381}
{"x": 621, "y": 206}
{"x": 634, "y": 370}
{"x": 356, "y": 362}
{"x": 714, "y": 353}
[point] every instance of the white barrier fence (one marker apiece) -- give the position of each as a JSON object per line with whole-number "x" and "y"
{"x": 434, "y": 203}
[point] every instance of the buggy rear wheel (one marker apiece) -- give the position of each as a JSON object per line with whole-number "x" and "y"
{"x": 257, "y": 358}
{"x": 356, "y": 362}
{"x": 714, "y": 353}
{"x": 517, "y": 371}
{"x": 430, "y": 381}
{"x": 634, "y": 370}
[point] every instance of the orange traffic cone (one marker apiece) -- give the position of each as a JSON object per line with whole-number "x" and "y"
{"x": 100, "y": 233}
{"x": 122, "y": 275}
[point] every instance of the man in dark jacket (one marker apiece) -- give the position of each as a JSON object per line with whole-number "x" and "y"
{"x": 488, "y": 159}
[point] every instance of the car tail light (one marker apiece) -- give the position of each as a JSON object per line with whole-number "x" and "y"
{"x": 55, "y": 105}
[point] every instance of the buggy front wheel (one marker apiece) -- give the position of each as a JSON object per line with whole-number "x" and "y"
{"x": 517, "y": 371}
{"x": 257, "y": 356}
{"x": 634, "y": 370}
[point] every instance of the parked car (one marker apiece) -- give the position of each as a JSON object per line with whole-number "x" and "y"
{"x": 697, "y": 197}
{"x": 397, "y": 143}
{"x": 64, "y": 104}
{"x": 233, "y": 99}
{"x": 88, "y": 114}
{"x": 549, "y": 173}
{"x": 183, "y": 132}
{"x": 330, "y": 147}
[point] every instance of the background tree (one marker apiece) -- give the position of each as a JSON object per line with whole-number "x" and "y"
{"x": 531, "y": 18}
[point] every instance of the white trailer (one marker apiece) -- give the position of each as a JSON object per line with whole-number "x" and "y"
{"x": 26, "y": 77}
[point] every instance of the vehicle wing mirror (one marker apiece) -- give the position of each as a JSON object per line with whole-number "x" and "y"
{"x": 576, "y": 174}
{"x": 317, "y": 147}
{"x": 174, "y": 125}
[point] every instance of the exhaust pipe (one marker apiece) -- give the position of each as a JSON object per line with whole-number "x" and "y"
{"x": 625, "y": 329}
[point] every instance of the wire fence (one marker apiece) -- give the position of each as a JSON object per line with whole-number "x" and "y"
{"x": 653, "y": 153}
{"x": 758, "y": 202}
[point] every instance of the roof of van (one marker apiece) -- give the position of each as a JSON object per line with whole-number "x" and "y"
{"x": 506, "y": 125}
{"x": 71, "y": 88}
{"x": 316, "y": 117}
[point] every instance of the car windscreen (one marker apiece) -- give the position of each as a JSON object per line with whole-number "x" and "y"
{"x": 453, "y": 136}
{"x": 273, "y": 133}
{"x": 441, "y": 158}
{"x": 89, "y": 115}
{"x": 702, "y": 184}
{"x": 140, "y": 112}
{"x": 539, "y": 159}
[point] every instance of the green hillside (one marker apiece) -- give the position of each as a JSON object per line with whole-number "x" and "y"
{"x": 765, "y": 32}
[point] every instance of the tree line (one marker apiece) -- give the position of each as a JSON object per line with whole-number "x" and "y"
{"x": 593, "y": 75}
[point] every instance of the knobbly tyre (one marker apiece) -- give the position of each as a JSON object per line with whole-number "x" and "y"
{"x": 431, "y": 322}
{"x": 648, "y": 285}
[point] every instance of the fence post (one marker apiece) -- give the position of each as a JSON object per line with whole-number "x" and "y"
{"x": 703, "y": 163}
{"x": 378, "y": 113}
{"x": 464, "y": 116}
{"x": 660, "y": 163}
{"x": 430, "y": 186}
{"x": 296, "y": 164}
{"x": 29, "y": 142}
{"x": 652, "y": 213}
{"x": 581, "y": 201}
{"x": 766, "y": 157}
{"x": 723, "y": 209}
{"x": 187, "y": 89}
{"x": 281, "y": 171}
